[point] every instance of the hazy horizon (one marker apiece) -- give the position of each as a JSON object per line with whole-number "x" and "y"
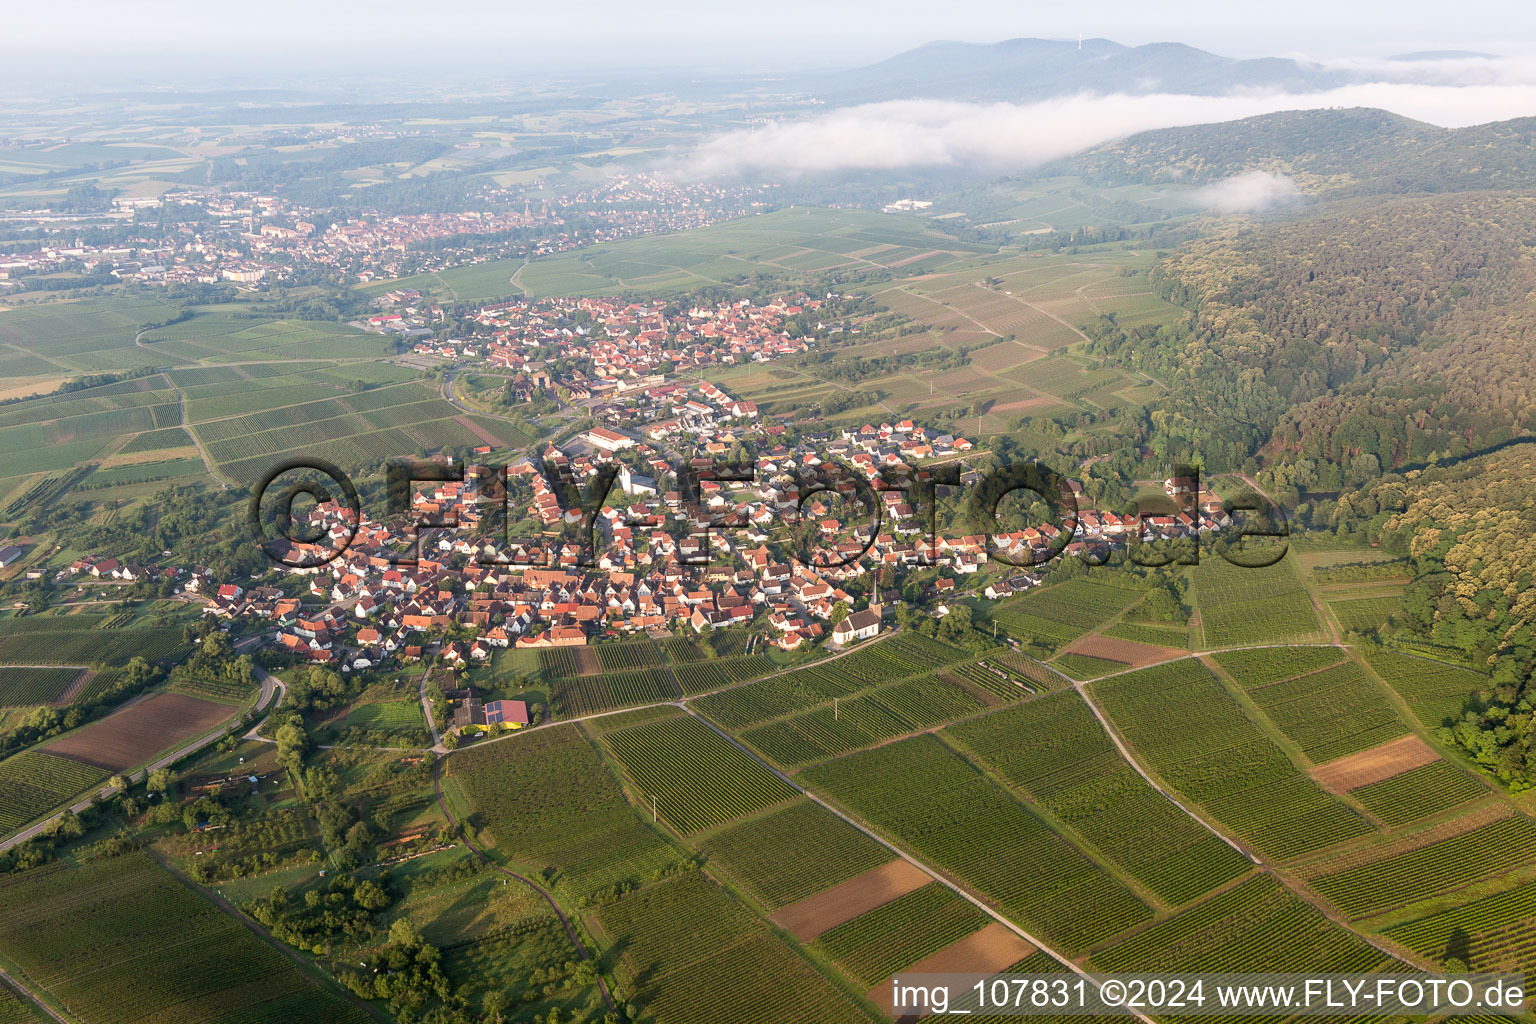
{"x": 167, "y": 41}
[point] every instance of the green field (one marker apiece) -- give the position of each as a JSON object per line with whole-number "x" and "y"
{"x": 777, "y": 242}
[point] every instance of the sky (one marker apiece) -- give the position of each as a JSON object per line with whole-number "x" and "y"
{"x": 711, "y": 36}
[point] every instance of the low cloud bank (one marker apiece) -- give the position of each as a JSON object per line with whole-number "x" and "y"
{"x": 1248, "y": 193}
{"x": 1000, "y": 136}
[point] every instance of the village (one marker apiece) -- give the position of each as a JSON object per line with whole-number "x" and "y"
{"x": 250, "y": 240}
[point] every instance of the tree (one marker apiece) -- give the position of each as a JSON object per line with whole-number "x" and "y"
{"x": 839, "y": 612}
{"x": 159, "y": 780}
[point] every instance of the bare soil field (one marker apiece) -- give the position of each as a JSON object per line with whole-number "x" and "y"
{"x": 1374, "y": 765}
{"x": 992, "y": 949}
{"x": 141, "y": 730}
{"x": 805, "y": 919}
{"x": 1127, "y": 652}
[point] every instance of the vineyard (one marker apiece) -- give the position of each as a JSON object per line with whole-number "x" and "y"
{"x": 897, "y": 657}
{"x": 1261, "y": 666}
{"x": 965, "y": 824}
{"x": 1242, "y": 607}
{"x": 691, "y": 954}
{"x": 697, "y": 778}
{"x": 549, "y": 800}
{"x": 857, "y": 722}
{"x": 878, "y": 944}
{"x": 586, "y": 695}
{"x": 1433, "y": 691}
{"x": 34, "y": 782}
{"x": 15, "y": 1009}
{"x": 223, "y": 691}
{"x": 559, "y": 662}
{"x": 24, "y": 687}
{"x": 1330, "y": 713}
{"x": 120, "y": 939}
{"x": 89, "y": 646}
{"x": 1055, "y": 616}
{"x": 1418, "y": 793}
{"x": 1005, "y": 676}
{"x": 1085, "y": 666}
{"x": 1192, "y": 733}
{"x": 792, "y": 853}
{"x": 703, "y": 676}
{"x": 1496, "y": 932}
{"x": 1432, "y": 870}
{"x": 1158, "y": 635}
{"x": 1258, "y": 926}
{"x": 627, "y": 655}
{"x": 1055, "y": 751}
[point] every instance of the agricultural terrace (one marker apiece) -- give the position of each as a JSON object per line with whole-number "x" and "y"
{"x": 86, "y": 645}
{"x": 121, "y": 939}
{"x": 878, "y": 944}
{"x": 696, "y": 778}
{"x": 964, "y": 823}
{"x": 1489, "y": 933}
{"x": 987, "y": 339}
{"x": 1419, "y": 793}
{"x": 1054, "y": 752}
{"x": 1189, "y": 730}
{"x": 25, "y": 687}
{"x": 549, "y": 801}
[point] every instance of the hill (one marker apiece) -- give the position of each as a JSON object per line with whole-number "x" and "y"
{"x": 1357, "y": 151}
{"x": 1034, "y": 69}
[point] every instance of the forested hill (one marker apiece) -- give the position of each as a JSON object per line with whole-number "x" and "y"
{"x": 1363, "y": 337}
{"x": 1334, "y": 153}
{"x": 1359, "y": 361}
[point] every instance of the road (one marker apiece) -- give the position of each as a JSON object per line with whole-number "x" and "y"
{"x": 426, "y": 711}
{"x": 270, "y": 685}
